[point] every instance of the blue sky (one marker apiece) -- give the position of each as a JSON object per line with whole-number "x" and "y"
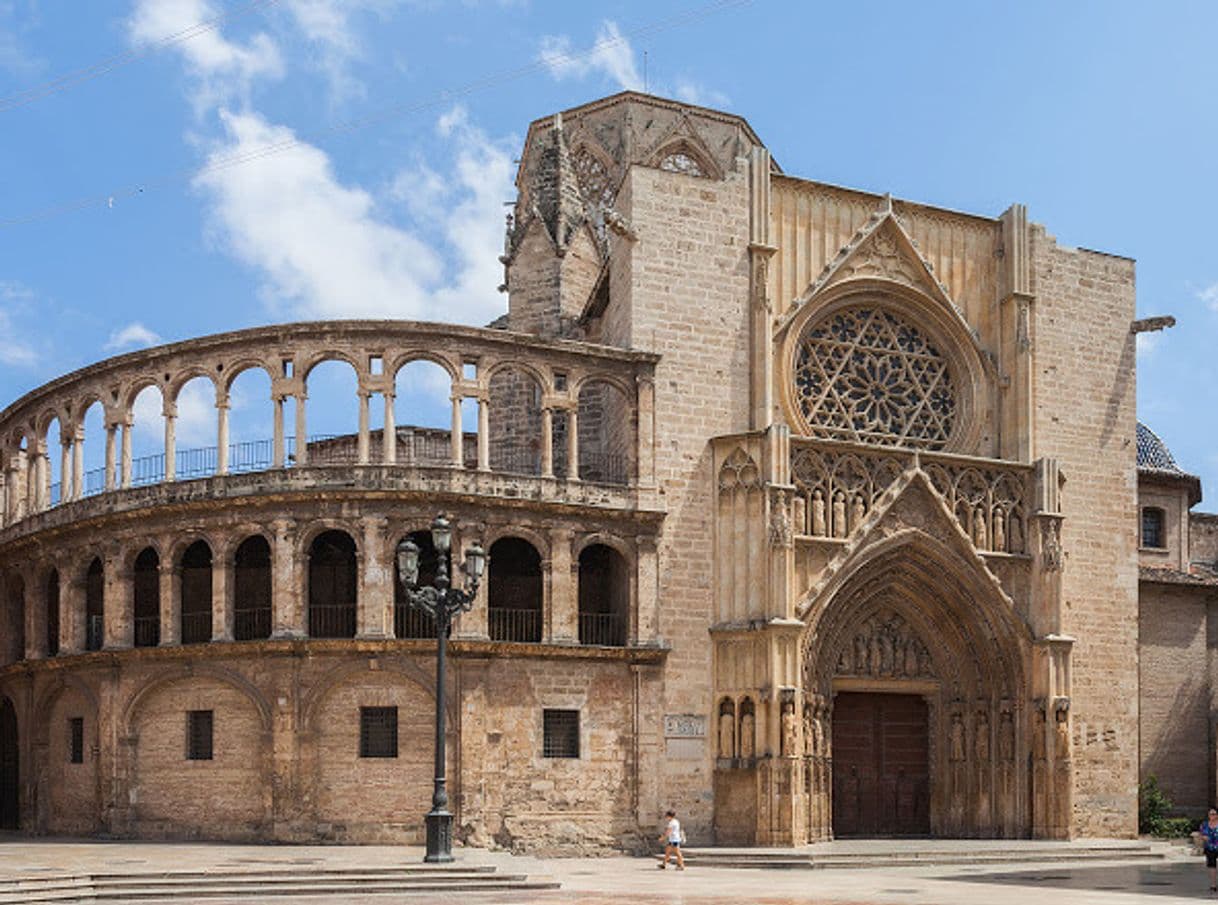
{"x": 128, "y": 214}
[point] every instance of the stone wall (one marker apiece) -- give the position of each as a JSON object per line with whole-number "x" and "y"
{"x": 1084, "y": 417}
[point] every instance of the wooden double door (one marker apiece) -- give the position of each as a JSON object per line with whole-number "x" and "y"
{"x": 881, "y": 781}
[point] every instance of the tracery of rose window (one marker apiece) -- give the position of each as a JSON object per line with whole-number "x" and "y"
{"x": 868, "y": 375}
{"x": 593, "y": 178}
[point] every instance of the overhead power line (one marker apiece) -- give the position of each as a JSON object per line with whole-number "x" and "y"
{"x": 109, "y": 64}
{"x": 383, "y": 114}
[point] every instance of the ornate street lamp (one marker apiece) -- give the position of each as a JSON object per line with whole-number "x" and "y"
{"x": 443, "y": 604}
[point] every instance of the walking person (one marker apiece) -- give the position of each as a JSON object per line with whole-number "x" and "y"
{"x": 672, "y": 837}
{"x": 1209, "y": 839}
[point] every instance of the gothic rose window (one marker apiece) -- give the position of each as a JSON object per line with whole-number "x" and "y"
{"x": 593, "y": 178}
{"x": 868, "y": 375}
{"x": 680, "y": 162}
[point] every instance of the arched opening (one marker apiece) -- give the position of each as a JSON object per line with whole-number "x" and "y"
{"x": 514, "y": 591}
{"x": 195, "y": 430}
{"x": 196, "y": 593}
{"x": 52, "y": 611}
{"x": 146, "y": 590}
{"x": 54, "y": 488}
{"x": 147, "y": 442}
{"x": 95, "y": 607}
{"x": 515, "y": 422}
{"x": 10, "y": 768}
{"x": 604, "y": 596}
{"x": 251, "y": 422}
{"x": 332, "y": 423}
{"x": 408, "y": 621}
{"x": 252, "y": 590}
{"x": 606, "y": 433}
{"x": 15, "y": 619}
{"x": 332, "y": 586}
{"x": 423, "y": 414}
{"x": 93, "y": 454}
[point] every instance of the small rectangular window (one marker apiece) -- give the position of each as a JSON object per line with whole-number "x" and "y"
{"x": 560, "y": 735}
{"x": 288, "y": 367}
{"x": 469, "y": 370}
{"x": 1152, "y": 528}
{"x": 76, "y": 740}
{"x": 199, "y": 735}
{"x": 376, "y": 365}
{"x": 378, "y": 732}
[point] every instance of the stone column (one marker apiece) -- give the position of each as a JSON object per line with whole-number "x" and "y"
{"x": 287, "y": 608}
{"x": 389, "y": 437}
{"x": 171, "y": 443}
{"x": 562, "y": 607}
{"x": 111, "y": 456}
{"x": 547, "y": 442}
{"x": 302, "y": 430}
{"x": 221, "y": 598}
{"x": 277, "y": 444}
{"x": 647, "y": 594}
{"x": 471, "y": 625}
{"x": 458, "y": 435}
{"x": 118, "y": 630}
{"x": 222, "y": 403}
{"x": 128, "y": 424}
{"x": 66, "y": 475}
{"x": 484, "y": 435}
{"x": 170, "y": 599}
{"x": 362, "y": 441}
{"x": 78, "y": 463}
{"x": 573, "y": 443}
{"x": 374, "y": 609}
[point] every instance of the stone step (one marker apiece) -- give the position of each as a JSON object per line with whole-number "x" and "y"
{"x": 916, "y": 858}
{"x": 188, "y": 886}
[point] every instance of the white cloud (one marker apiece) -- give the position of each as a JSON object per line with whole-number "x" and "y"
{"x": 325, "y": 250}
{"x": 1209, "y": 295}
{"x": 134, "y": 335}
{"x": 327, "y": 25}
{"x": 611, "y": 56}
{"x": 1147, "y": 344}
{"x": 15, "y": 349}
{"x": 693, "y": 93}
{"x": 224, "y": 69}
{"x": 15, "y": 55}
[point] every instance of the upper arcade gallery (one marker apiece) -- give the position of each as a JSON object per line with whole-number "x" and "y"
{"x": 784, "y": 487}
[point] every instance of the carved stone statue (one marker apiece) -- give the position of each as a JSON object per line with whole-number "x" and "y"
{"x": 857, "y": 512}
{"x": 911, "y": 659}
{"x": 790, "y": 731}
{"x": 1016, "y": 542}
{"x": 979, "y": 532}
{"x": 818, "y": 513}
{"x": 1061, "y": 741}
{"x": 746, "y": 736}
{"x": 839, "y": 515}
{"x": 1006, "y": 737}
{"x": 885, "y": 654}
{"x": 809, "y": 738}
{"x": 999, "y": 531}
{"x": 957, "y": 737}
{"x": 981, "y": 745}
{"x": 860, "y": 655}
{"x": 873, "y": 658}
{"x": 727, "y": 735}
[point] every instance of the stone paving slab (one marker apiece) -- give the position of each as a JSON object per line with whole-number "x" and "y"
{"x": 635, "y": 880}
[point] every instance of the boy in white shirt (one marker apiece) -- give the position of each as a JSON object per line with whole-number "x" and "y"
{"x": 672, "y": 838}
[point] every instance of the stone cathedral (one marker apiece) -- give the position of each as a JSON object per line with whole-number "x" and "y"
{"x": 811, "y": 513}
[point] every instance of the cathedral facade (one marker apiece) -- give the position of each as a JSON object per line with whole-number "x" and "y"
{"x": 811, "y": 513}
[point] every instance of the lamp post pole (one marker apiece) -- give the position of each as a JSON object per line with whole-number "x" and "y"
{"x": 443, "y": 603}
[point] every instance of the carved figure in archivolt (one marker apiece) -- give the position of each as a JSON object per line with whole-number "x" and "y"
{"x": 1006, "y": 735}
{"x": 885, "y": 646}
{"x": 981, "y": 743}
{"x": 957, "y": 737}
{"x": 727, "y": 729}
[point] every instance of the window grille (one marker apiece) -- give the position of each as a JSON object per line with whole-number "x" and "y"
{"x": 199, "y": 735}
{"x": 378, "y": 732}
{"x": 76, "y": 740}
{"x": 560, "y": 736}
{"x": 1152, "y": 528}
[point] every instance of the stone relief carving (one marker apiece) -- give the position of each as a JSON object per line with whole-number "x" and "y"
{"x": 840, "y": 487}
{"x": 739, "y": 472}
{"x": 1006, "y": 735}
{"x": 981, "y": 745}
{"x": 957, "y": 737}
{"x": 781, "y": 534}
{"x": 885, "y": 646}
{"x": 1051, "y": 544}
{"x": 790, "y": 731}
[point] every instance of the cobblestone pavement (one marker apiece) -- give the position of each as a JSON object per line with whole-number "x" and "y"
{"x": 623, "y": 879}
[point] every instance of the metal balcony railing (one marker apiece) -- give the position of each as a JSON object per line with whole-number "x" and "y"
{"x": 252, "y": 624}
{"x": 147, "y": 631}
{"x": 332, "y": 620}
{"x": 602, "y": 629}
{"x": 514, "y": 625}
{"x": 409, "y": 622}
{"x": 196, "y": 627}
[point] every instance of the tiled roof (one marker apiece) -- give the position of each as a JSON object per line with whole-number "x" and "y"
{"x": 1160, "y": 575}
{"x": 1153, "y": 454}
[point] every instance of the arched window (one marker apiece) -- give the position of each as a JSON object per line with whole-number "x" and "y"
{"x": 408, "y": 621}
{"x": 1153, "y": 522}
{"x": 196, "y": 594}
{"x": 515, "y": 422}
{"x": 146, "y": 589}
{"x": 332, "y": 586}
{"x": 604, "y": 596}
{"x": 252, "y": 590}
{"x": 52, "y": 602}
{"x": 95, "y": 613}
{"x": 514, "y": 591}
{"x": 681, "y": 161}
{"x": 605, "y": 424}
{"x": 869, "y": 375}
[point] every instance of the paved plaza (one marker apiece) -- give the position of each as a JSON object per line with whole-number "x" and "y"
{"x": 590, "y": 881}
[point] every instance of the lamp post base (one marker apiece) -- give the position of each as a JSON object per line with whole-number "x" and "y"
{"x": 439, "y": 823}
